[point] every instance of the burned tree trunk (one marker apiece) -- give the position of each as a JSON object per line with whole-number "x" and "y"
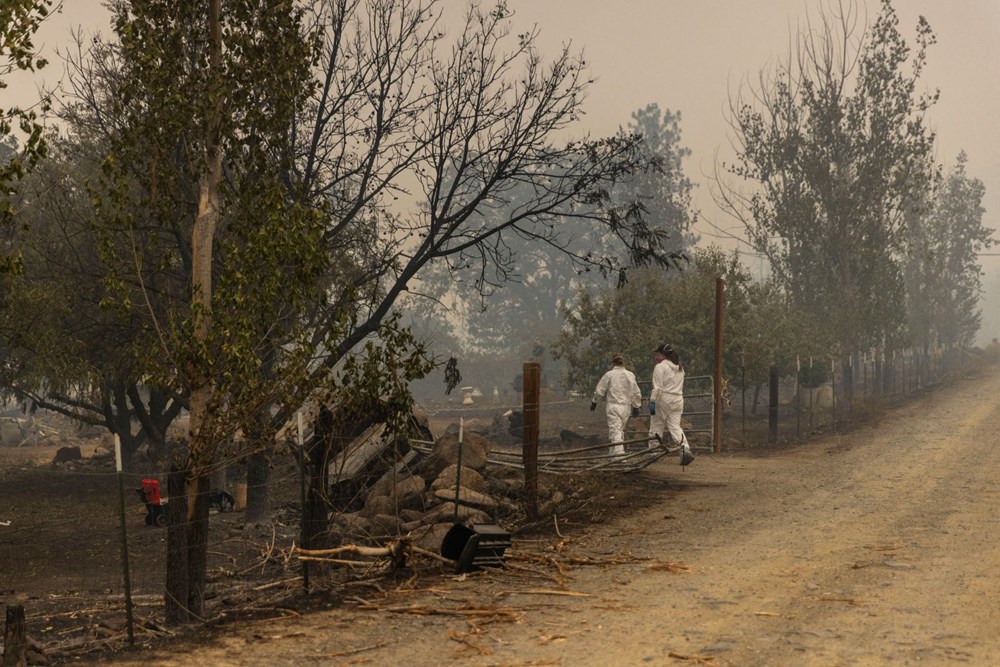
{"x": 15, "y": 640}
{"x": 315, "y": 513}
{"x": 175, "y": 603}
{"x": 258, "y": 495}
{"x": 199, "y": 486}
{"x": 331, "y": 435}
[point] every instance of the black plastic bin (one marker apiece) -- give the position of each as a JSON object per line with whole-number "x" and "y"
{"x": 475, "y": 546}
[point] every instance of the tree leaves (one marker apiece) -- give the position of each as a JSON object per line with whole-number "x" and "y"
{"x": 837, "y": 145}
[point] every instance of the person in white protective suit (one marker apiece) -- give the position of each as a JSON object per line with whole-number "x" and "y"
{"x": 666, "y": 402}
{"x": 619, "y": 388}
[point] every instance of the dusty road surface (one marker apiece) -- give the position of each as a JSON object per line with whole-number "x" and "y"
{"x": 876, "y": 547}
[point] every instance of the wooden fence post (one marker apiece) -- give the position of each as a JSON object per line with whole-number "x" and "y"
{"x": 720, "y": 286}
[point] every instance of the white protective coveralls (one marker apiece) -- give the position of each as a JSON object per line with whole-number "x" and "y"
{"x": 622, "y": 392}
{"x": 668, "y": 394}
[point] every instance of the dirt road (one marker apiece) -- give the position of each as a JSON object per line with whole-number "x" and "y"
{"x": 875, "y": 547}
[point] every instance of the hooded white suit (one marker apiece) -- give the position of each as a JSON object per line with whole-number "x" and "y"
{"x": 668, "y": 394}
{"x": 622, "y": 392}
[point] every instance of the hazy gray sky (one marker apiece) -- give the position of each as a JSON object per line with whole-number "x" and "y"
{"x": 687, "y": 55}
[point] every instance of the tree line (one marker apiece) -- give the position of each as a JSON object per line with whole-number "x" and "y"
{"x": 870, "y": 243}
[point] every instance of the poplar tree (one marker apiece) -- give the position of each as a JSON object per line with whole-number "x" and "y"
{"x": 832, "y": 147}
{"x": 19, "y": 21}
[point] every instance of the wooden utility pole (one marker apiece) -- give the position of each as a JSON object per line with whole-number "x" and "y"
{"x": 532, "y": 391}
{"x": 720, "y": 288}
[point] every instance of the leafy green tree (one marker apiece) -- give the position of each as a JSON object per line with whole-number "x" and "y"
{"x": 19, "y": 21}
{"x": 834, "y": 144}
{"x": 194, "y": 207}
{"x": 62, "y": 350}
{"x": 664, "y": 192}
{"x": 943, "y": 270}
{"x": 761, "y": 327}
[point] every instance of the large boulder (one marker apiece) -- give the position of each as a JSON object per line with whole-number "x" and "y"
{"x": 468, "y": 497}
{"x": 446, "y": 512}
{"x": 431, "y": 537}
{"x": 512, "y": 488}
{"x": 352, "y": 522}
{"x": 378, "y": 505}
{"x": 403, "y": 486}
{"x": 471, "y": 479}
{"x": 411, "y": 515}
{"x": 385, "y": 524}
{"x": 445, "y": 452}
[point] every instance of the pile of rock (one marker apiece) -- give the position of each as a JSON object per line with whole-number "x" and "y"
{"x": 425, "y": 500}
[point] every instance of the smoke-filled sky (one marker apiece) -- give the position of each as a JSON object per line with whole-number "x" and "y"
{"x": 689, "y": 55}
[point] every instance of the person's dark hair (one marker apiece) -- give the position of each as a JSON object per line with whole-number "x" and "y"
{"x": 670, "y": 353}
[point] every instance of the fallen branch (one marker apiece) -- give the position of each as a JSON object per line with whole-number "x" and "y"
{"x": 152, "y": 627}
{"x": 430, "y": 554}
{"x": 850, "y": 601}
{"x": 353, "y": 651}
{"x": 285, "y": 611}
{"x": 540, "y": 591}
{"x": 337, "y": 561}
{"x": 391, "y": 551}
{"x": 698, "y": 659}
{"x": 673, "y": 568}
{"x": 464, "y": 612}
{"x": 571, "y": 560}
{"x": 275, "y": 584}
{"x": 514, "y": 570}
{"x": 463, "y": 638}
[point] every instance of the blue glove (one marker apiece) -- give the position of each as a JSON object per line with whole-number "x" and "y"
{"x": 652, "y": 407}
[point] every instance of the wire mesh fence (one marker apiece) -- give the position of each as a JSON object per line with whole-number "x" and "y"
{"x": 824, "y": 394}
{"x": 60, "y": 540}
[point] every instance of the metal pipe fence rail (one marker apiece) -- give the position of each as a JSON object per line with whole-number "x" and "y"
{"x": 591, "y": 458}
